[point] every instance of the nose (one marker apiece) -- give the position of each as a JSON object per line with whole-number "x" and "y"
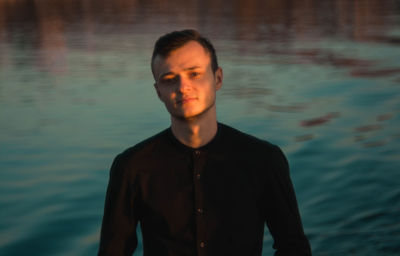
{"x": 183, "y": 84}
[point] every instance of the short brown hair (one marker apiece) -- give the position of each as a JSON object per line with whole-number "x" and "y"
{"x": 176, "y": 39}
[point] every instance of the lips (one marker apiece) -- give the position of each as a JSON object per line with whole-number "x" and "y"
{"x": 186, "y": 100}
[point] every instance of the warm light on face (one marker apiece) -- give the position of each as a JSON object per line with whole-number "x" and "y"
{"x": 191, "y": 73}
{"x": 185, "y": 82}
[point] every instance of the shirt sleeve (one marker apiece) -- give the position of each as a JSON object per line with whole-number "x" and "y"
{"x": 283, "y": 217}
{"x": 118, "y": 231}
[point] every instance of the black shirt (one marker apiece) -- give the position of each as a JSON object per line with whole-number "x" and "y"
{"x": 209, "y": 201}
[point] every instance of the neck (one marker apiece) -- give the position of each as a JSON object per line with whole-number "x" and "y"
{"x": 195, "y": 132}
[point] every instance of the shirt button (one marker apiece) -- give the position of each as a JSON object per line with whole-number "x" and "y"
{"x": 197, "y": 152}
{"x": 202, "y": 244}
{"x": 199, "y": 210}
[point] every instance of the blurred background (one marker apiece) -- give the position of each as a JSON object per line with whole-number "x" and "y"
{"x": 320, "y": 78}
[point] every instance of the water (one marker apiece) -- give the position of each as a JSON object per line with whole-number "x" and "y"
{"x": 319, "y": 78}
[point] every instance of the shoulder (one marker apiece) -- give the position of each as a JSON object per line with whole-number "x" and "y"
{"x": 247, "y": 145}
{"x": 244, "y": 140}
{"x": 142, "y": 149}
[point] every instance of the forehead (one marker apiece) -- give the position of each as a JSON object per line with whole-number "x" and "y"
{"x": 189, "y": 55}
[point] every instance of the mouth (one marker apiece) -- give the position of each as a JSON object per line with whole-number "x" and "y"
{"x": 186, "y": 100}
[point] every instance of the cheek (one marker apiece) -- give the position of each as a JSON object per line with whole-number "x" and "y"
{"x": 165, "y": 95}
{"x": 172, "y": 95}
{"x": 169, "y": 99}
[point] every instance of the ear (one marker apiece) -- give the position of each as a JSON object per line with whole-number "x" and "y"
{"x": 218, "y": 76}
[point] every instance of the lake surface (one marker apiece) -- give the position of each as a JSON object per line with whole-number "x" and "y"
{"x": 319, "y": 78}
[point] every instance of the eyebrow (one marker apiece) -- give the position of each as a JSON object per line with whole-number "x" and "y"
{"x": 171, "y": 73}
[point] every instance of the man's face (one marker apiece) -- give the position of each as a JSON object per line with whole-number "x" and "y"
{"x": 185, "y": 81}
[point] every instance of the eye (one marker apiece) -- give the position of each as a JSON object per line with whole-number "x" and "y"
{"x": 194, "y": 74}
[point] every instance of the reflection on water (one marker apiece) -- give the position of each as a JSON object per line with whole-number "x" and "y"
{"x": 319, "y": 120}
{"x": 319, "y": 78}
{"x": 54, "y": 27}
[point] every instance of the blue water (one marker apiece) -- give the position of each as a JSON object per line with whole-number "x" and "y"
{"x": 319, "y": 78}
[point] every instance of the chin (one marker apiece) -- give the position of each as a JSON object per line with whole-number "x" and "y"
{"x": 187, "y": 116}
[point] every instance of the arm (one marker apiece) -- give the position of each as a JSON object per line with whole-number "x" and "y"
{"x": 118, "y": 231}
{"x": 283, "y": 218}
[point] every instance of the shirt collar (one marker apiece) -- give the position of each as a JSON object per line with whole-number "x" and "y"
{"x": 210, "y": 145}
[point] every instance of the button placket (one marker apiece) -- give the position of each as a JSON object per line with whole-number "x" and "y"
{"x": 198, "y": 197}
{"x": 196, "y": 156}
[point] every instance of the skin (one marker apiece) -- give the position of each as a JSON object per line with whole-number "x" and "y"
{"x": 187, "y": 86}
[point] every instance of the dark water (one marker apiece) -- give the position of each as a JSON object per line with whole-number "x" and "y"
{"x": 319, "y": 78}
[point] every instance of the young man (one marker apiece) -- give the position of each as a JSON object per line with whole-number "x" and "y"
{"x": 199, "y": 187}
